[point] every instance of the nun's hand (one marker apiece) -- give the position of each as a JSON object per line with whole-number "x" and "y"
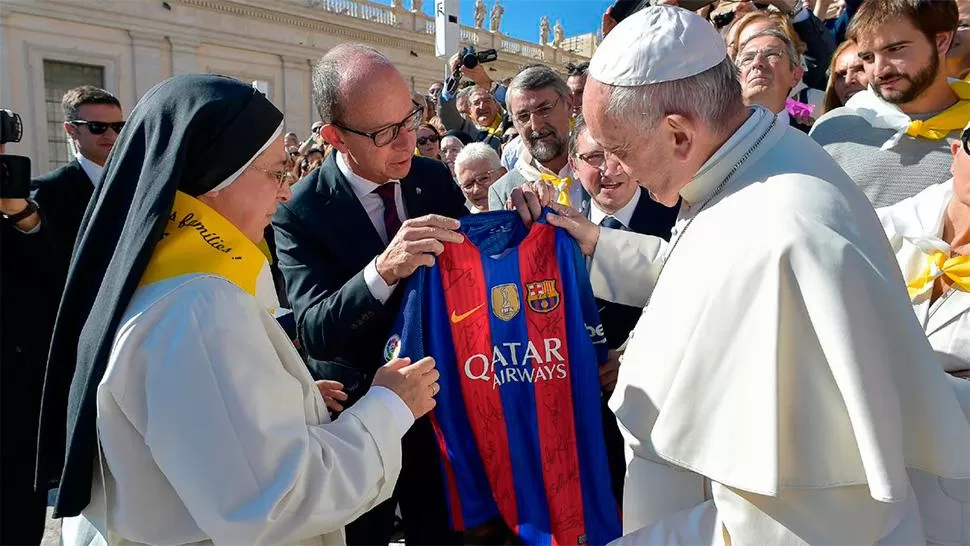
{"x": 417, "y": 243}
{"x": 579, "y": 227}
{"x": 529, "y": 199}
{"x": 333, "y": 393}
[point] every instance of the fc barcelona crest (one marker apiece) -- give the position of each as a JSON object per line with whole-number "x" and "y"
{"x": 505, "y": 301}
{"x": 542, "y": 296}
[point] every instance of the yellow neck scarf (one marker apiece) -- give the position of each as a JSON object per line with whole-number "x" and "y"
{"x": 198, "y": 239}
{"x": 495, "y": 129}
{"x": 562, "y": 186}
{"x": 952, "y": 119}
{"x": 938, "y": 264}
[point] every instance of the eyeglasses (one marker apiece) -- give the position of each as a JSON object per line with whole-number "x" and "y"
{"x": 593, "y": 159}
{"x": 480, "y": 180}
{"x": 966, "y": 138}
{"x": 543, "y": 112}
{"x": 315, "y": 129}
{"x": 281, "y": 176}
{"x": 386, "y": 135}
{"x": 577, "y": 69}
{"x": 99, "y": 127}
{"x": 426, "y": 139}
{"x": 770, "y": 54}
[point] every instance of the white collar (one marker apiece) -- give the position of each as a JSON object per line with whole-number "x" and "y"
{"x": 92, "y": 169}
{"x": 359, "y": 184}
{"x": 712, "y": 173}
{"x": 624, "y": 215}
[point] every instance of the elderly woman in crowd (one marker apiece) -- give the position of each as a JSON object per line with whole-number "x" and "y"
{"x": 847, "y": 76}
{"x": 930, "y": 234}
{"x": 756, "y": 22}
{"x": 451, "y": 144}
{"x": 428, "y": 141}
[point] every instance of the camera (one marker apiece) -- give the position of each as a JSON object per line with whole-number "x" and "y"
{"x": 14, "y": 169}
{"x": 11, "y": 127}
{"x": 470, "y": 58}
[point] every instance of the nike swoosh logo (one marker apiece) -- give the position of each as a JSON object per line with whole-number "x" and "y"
{"x": 456, "y": 318}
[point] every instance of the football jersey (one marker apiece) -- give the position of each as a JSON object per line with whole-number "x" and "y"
{"x": 509, "y": 316}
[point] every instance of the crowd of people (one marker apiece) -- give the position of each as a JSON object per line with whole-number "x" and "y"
{"x": 773, "y": 205}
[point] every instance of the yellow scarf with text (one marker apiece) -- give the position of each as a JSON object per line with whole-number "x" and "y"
{"x": 197, "y": 239}
{"x": 938, "y": 264}
{"x": 953, "y": 118}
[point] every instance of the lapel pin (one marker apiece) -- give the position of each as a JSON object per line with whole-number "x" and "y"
{"x": 417, "y": 191}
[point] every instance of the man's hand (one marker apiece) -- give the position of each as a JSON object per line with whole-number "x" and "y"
{"x": 12, "y": 206}
{"x": 578, "y": 226}
{"x": 610, "y": 370}
{"x": 478, "y": 75}
{"x": 417, "y": 243}
{"x": 416, "y": 384}
{"x": 529, "y": 199}
{"x": 333, "y": 393}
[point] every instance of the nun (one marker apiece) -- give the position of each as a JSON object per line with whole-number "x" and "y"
{"x": 191, "y": 417}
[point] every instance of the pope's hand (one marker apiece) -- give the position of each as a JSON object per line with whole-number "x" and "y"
{"x": 333, "y": 393}
{"x": 610, "y": 370}
{"x": 416, "y": 384}
{"x": 417, "y": 243}
{"x": 577, "y": 225}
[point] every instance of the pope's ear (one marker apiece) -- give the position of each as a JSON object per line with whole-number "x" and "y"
{"x": 679, "y": 131}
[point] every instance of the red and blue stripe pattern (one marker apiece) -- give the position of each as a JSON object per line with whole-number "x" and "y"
{"x": 510, "y": 318}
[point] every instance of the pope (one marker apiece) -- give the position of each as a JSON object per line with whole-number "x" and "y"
{"x": 776, "y": 387}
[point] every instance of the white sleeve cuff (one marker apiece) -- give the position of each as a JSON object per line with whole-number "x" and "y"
{"x": 378, "y": 288}
{"x": 400, "y": 412}
{"x": 32, "y": 230}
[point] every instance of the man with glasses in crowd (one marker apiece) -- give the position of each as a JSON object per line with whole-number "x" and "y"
{"x": 540, "y": 107}
{"x": 769, "y": 68}
{"x": 354, "y": 230}
{"x": 39, "y": 244}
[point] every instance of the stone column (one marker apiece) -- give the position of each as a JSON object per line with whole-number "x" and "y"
{"x": 185, "y": 55}
{"x": 294, "y": 91}
{"x": 148, "y": 68}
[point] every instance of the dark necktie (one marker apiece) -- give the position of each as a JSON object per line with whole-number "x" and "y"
{"x": 612, "y": 223}
{"x": 392, "y": 222}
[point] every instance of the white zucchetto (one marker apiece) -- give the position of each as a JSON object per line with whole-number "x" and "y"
{"x": 657, "y": 44}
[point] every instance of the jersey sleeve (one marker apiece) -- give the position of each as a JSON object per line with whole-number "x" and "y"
{"x": 587, "y": 303}
{"x": 407, "y": 337}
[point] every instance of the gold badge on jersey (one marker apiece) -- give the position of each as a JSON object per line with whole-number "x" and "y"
{"x": 505, "y": 301}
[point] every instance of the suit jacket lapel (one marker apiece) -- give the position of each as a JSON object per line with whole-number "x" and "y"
{"x": 341, "y": 212}
{"x": 412, "y": 191}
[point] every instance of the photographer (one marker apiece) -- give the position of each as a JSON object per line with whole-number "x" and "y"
{"x": 486, "y": 120}
{"x": 40, "y": 221}
{"x": 27, "y": 312}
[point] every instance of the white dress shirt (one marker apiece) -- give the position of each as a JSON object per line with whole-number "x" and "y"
{"x": 624, "y": 215}
{"x": 374, "y": 207}
{"x": 92, "y": 169}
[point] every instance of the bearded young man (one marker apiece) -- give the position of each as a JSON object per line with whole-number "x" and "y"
{"x": 893, "y": 139}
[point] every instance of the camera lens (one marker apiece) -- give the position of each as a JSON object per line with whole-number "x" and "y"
{"x": 470, "y": 61}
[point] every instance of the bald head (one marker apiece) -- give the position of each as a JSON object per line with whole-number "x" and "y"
{"x": 346, "y": 71}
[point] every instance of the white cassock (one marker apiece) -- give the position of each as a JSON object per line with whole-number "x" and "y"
{"x": 775, "y": 389}
{"x": 262, "y": 463}
{"x": 914, "y": 227}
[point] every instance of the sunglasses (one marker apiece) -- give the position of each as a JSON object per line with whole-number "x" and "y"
{"x": 99, "y": 127}
{"x": 426, "y": 139}
{"x": 574, "y": 69}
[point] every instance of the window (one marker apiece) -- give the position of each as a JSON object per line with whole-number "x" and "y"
{"x": 59, "y": 77}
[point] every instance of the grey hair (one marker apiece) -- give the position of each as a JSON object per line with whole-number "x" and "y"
{"x": 794, "y": 58}
{"x": 332, "y": 70}
{"x": 536, "y": 77}
{"x": 476, "y": 151}
{"x": 579, "y": 125}
{"x": 712, "y": 97}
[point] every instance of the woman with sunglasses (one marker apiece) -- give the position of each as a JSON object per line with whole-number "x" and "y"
{"x": 428, "y": 141}
{"x": 930, "y": 234}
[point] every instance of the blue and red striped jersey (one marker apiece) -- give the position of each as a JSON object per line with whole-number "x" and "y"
{"x": 510, "y": 318}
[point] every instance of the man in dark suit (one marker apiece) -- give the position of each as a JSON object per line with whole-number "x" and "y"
{"x": 354, "y": 230}
{"x": 615, "y": 201}
{"x": 37, "y": 240}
